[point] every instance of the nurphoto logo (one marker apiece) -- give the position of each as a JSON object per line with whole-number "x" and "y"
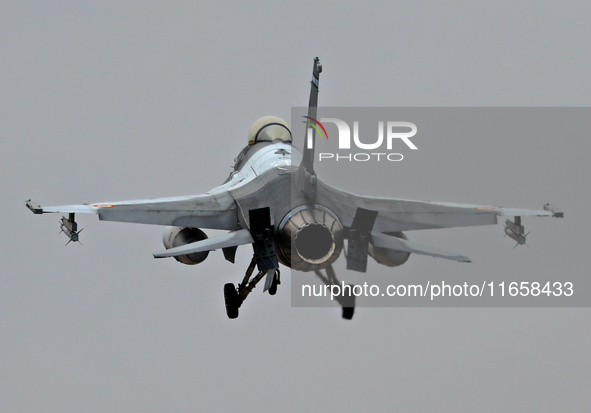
{"x": 392, "y": 130}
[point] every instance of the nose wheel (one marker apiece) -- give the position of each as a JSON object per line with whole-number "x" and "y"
{"x": 346, "y": 299}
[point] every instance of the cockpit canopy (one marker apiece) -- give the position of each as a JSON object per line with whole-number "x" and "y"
{"x": 269, "y": 128}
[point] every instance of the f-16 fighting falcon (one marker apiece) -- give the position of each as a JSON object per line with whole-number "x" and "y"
{"x": 274, "y": 201}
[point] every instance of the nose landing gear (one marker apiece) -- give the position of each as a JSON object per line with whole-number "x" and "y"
{"x": 346, "y": 299}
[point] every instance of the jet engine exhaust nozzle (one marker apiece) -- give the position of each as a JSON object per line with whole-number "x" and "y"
{"x": 310, "y": 238}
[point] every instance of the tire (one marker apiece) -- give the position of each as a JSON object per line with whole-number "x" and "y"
{"x": 231, "y": 300}
{"x": 348, "y": 312}
{"x": 348, "y": 305}
{"x": 273, "y": 287}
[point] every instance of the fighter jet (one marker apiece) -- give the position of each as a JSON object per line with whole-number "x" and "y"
{"x": 274, "y": 201}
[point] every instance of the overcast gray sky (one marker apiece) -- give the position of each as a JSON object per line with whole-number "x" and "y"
{"x": 105, "y": 102}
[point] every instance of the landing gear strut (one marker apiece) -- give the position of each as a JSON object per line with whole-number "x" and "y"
{"x": 346, "y": 299}
{"x": 234, "y": 297}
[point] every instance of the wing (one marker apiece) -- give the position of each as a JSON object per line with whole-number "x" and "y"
{"x": 202, "y": 211}
{"x": 377, "y": 220}
{"x": 405, "y": 215}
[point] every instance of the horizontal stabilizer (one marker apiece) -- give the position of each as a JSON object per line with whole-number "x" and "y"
{"x": 387, "y": 241}
{"x": 231, "y": 239}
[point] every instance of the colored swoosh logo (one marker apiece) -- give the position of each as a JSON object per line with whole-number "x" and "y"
{"x": 316, "y": 127}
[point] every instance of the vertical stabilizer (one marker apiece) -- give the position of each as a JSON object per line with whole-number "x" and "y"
{"x": 305, "y": 179}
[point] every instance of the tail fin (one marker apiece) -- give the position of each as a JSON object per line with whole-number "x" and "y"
{"x": 305, "y": 176}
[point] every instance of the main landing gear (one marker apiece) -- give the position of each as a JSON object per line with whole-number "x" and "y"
{"x": 234, "y": 297}
{"x": 346, "y": 299}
